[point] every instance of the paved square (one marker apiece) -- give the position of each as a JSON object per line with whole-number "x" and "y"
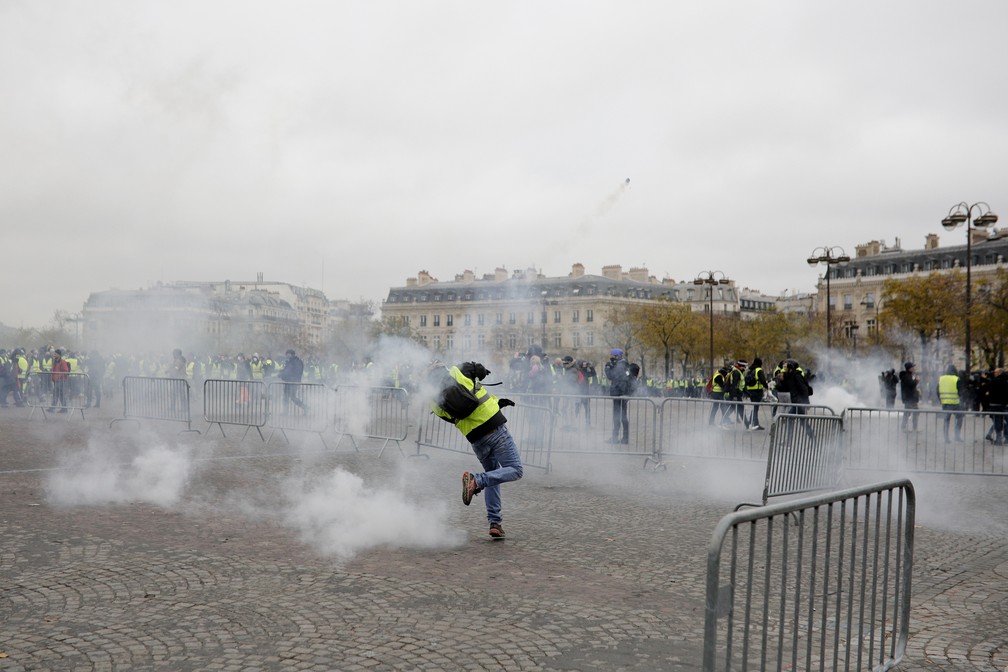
{"x": 217, "y": 554}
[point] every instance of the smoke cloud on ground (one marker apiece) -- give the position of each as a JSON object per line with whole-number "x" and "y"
{"x": 331, "y": 509}
{"x": 339, "y": 515}
{"x": 156, "y": 474}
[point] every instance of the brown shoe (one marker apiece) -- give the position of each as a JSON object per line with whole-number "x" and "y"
{"x": 496, "y": 531}
{"x": 469, "y": 487}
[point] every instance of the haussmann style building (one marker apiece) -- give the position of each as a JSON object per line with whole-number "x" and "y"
{"x": 503, "y": 313}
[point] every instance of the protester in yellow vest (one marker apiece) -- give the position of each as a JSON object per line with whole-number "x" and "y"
{"x": 755, "y": 387}
{"x": 257, "y": 367}
{"x": 717, "y": 395}
{"x": 463, "y": 402}
{"x": 949, "y": 396}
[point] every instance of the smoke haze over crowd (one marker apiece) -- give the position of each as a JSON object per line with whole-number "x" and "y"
{"x": 345, "y": 146}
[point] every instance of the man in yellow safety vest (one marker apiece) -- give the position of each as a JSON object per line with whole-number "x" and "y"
{"x": 950, "y": 398}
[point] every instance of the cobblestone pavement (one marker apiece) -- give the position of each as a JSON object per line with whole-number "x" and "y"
{"x": 603, "y": 567}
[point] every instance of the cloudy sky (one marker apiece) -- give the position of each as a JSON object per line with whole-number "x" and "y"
{"x": 348, "y": 145}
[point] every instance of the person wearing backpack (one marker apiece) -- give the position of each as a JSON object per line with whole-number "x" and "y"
{"x": 755, "y": 388}
{"x": 910, "y": 395}
{"x": 735, "y": 390}
{"x": 617, "y": 372}
{"x": 585, "y": 380}
{"x": 460, "y": 400}
{"x": 890, "y": 383}
{"x": 716, "y": 391}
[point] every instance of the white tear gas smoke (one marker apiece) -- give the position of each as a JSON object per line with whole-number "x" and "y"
{"x": 396, "y": 363}
{"x": 340, "y": 516}
{"x": 156, "y": 475}
{"x": 335, "y": 513}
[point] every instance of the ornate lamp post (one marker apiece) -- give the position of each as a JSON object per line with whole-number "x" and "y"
{"x": 831, "y": 256}
{"x": 543, "y": 319}
{"x": 711, "y": 278}
{"x": 961, "y": 213}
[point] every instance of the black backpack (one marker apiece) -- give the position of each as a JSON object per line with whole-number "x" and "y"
{"x": 456, "y": 399}
{"x": 750, "y": 378}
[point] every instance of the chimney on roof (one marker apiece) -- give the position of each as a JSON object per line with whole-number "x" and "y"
{"x": 638, "y": 273}
{"x": 612, "y": 271}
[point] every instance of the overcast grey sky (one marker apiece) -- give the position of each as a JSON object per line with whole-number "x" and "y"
{"x": 348, "y": 145}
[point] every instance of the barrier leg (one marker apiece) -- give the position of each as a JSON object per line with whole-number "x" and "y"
{"x": 656, "y": 461}
{"x": 397, "y": 446}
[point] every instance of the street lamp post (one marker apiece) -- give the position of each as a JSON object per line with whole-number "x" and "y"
{"x": 831, "y": 256}
{"x": 961, "y": 213}
{"x": 543, "y": 318}
{"x": 939, "y": 322}
{"x": 711, "y": 278}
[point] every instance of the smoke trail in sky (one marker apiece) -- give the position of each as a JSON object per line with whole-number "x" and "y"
{"x": 610, "y": 200}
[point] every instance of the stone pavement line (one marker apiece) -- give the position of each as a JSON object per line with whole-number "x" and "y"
{"x": 608, "y": 580}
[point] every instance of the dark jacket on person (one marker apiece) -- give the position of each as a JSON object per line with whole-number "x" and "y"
{"x": 997, "y": 391}
{"x": 889, "y": 383}
{"x": 793, "y": 381}
{"x": 293, "y": 370}
{"x": 243, "y": 370}
{"x": 908, "y": 387}
{"x": 617, "y": 372}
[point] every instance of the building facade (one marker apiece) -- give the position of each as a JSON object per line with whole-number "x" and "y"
{"x": 212, "y": 316}
{"x": 855, "y": 290}
{"x": 503, "y": 313}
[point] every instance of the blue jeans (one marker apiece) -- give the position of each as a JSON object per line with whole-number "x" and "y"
{"x": 499, "y": 456}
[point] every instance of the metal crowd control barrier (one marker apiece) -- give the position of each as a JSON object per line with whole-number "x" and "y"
{"x": 303, "y": 407}
{"x": 235, "y": 402}
{"x": 531, "y": 425}
{"x": 381, "y": 413}
{"x": 932, "y": 441}
{"x": 708, "y": 428}
{"x": 156, "y": 399}
{"x": 60, "y": 392}
{"x": 584, "y": 424}
{"x": 831, "y": 593}
{"x": 805, "y": 455}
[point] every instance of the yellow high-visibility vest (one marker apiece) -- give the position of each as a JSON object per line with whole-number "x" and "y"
{"x": 948, "y": 390}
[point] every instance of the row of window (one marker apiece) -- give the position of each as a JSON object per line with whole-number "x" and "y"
{"x": 848, "y": 301}
{"x": 752, "y": 304}
{"x": 512, "y": 318}
{"x": 504, "y": 295}
{"x": 851, "y": 328}
{"x": 892, "y": 268}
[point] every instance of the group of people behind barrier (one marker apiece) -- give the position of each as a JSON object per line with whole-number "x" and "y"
{"x": 788, "y": 384}
{"x": 54, "y": 378}
{"x": 984, "y": 391}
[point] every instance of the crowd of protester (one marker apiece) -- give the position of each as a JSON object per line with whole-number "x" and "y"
{"x": 532, "y": 372}
{"x": 52, "y": 375}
